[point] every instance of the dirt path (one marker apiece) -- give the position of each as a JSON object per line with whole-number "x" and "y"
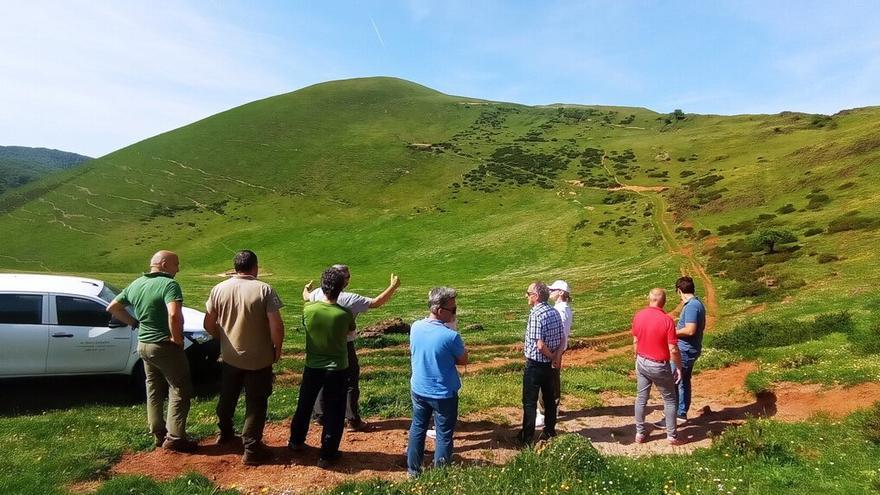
{"x": 486, "y": 438}
{"x": 661, "y": 220}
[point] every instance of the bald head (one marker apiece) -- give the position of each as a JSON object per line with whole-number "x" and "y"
{"x": 657, "y": 297}
{"x": 165, "y": 261}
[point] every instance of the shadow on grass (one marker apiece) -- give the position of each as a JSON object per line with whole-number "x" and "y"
{"x": 37, "y": 395}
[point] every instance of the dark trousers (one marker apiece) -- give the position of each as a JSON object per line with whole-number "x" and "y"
{"x": 537, "y": 376}
{"x": 257, "y": 386}
{"x": 352, "y": 390}
{"x": 333, "y": 384}
{"x": 557, "y": 389}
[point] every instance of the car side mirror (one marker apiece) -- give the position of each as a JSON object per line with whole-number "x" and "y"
{"x": 114, "y": 323}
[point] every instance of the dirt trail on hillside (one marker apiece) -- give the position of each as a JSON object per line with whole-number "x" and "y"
{"x": 692, "y": 267}
{"x": 720, "y": 401}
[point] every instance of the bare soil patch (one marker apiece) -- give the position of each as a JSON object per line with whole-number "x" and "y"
{"x": 485, "y": 438}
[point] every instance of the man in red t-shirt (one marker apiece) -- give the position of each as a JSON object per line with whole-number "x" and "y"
{"x": 654, "y": 345}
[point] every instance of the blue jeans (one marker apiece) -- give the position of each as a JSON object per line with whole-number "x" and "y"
{"x": 683, "y": 393}
{"x": 445, "y": 412}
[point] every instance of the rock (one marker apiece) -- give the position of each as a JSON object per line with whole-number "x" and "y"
{"x": 473, "y": 327}
{"x": 663, "y": 156}
{"x": 386, "y": 327}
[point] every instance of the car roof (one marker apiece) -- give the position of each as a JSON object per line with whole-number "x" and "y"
{"x": 32, "y": 282}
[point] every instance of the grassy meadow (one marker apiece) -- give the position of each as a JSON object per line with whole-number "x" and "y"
{"x": 389, "y": 176}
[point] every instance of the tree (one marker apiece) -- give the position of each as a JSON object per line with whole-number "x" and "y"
{"x": 678, "y": 114}
{"x": 768, "y": 239}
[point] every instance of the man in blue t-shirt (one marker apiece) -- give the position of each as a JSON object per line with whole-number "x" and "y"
{"x": 436, "y": 349}
{"x": 691, "y": 324}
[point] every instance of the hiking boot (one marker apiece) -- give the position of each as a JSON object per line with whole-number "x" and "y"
{"x": 159, "y": 439}
{"x": 227, "y": 438}
{"x": 296, "y": 447}
{"x": 641, "y": 438}
{"x": 675, "y": 442}
{"x": 432, "y": 434}
{"x": 256, "y": 455}
{"x": 326, "y": 462}
{"x": 355, "y": 425}
{"x": 184, "y": 445}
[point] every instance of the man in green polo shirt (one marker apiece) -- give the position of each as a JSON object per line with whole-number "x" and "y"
{"x": 327, "y": 325}
{"x": 157, "y": 302}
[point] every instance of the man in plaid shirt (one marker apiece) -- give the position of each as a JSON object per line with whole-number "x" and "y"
{"x": 543, "y": 351}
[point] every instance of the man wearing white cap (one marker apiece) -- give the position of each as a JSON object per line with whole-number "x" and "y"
{"x": 560, "y": 294}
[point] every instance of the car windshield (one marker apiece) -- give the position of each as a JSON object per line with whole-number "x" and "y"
{"x": 108, "y": 292}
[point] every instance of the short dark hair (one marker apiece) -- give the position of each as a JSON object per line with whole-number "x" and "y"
{"x": 685, "y": 285}
{"x": 244, "y": 261}
{"x": 332, "y": 282}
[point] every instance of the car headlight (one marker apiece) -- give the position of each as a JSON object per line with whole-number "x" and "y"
{"x": 198, "y": 337}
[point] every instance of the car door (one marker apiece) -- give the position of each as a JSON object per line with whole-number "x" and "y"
{"x": 84, "y": 339}
{"x": 24, "y": 334}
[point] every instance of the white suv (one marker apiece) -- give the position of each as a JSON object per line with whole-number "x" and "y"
{"x": 57, "y": 325}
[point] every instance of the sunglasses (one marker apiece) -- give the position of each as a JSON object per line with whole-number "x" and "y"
{"x": 451, "y": 310}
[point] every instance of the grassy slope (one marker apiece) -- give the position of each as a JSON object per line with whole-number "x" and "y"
{"x": 325, "y": 174}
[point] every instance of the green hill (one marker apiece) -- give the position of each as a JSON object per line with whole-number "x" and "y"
{"x": 20, "y": 165}
{"x": 390, "y": 175}
{"x": 776, "y": 215}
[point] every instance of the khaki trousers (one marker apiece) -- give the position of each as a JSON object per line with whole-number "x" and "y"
{"x": 168, "y": 376}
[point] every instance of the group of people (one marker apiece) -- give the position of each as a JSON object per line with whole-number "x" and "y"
{"x": 243, "y": 313}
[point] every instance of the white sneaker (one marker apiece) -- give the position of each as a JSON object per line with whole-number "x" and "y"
{"x": 539, "y": 421}
{"x": 432, "y": 433}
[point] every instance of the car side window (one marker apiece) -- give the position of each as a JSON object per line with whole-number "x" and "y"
{"x": 23, "y": 309}
{"x": 81, "y": 312}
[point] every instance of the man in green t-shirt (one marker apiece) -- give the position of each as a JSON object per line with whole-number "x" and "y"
{"x": 157, "y": 302}
{"x": 327, "y": 325}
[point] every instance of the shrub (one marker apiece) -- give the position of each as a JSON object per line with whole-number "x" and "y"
{"x": 756, "y": 334}
{"x": 574, "y": 453}
{"x": 768, "y": 239}
{"x": 813, "y": 231}
{"x": 817, "y": 201}
{"x": 754, "y": 442}
{"x": 798, "y": 360}
{"x": 749, "y": 289}
{"x": 827, "y": 258}
{"x": 866, "y": 339}
{"x": 852, "y": 222}
{"x": 870, "y": 424}
{"x": 789, "y": 208}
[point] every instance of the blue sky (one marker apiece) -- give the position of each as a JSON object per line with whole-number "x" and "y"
{"x": 92, "y": 77}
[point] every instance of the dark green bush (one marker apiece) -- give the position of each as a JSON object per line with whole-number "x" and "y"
{"x": 866, "y": 339}
{"x": 852, "y": 222}
{"x": 817, "y": 201}
{"x": 574, "y": 453}
{"x": 789, "y": 208}
{"x": 813, "y": 231}
{"x": 749, "y": 289}
{"x": 754, "y": 442}
{"x": 756, "y": 334}
{"x": 870, "y": 424}
{"x": 827, "y": 258}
